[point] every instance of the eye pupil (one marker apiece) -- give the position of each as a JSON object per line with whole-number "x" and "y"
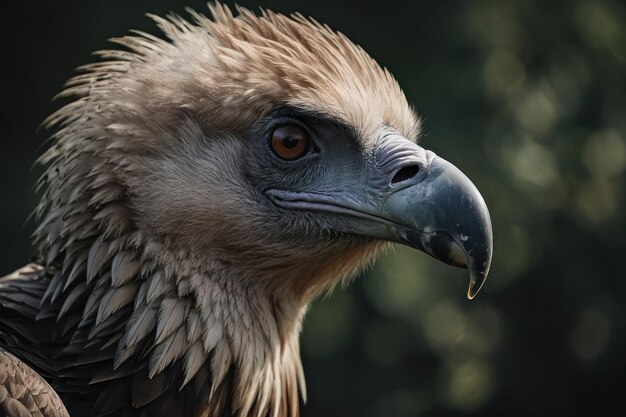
{"x": 289, "y": 142}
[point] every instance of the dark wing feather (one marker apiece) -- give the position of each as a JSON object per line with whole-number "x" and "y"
{"x": 78, "y": 361}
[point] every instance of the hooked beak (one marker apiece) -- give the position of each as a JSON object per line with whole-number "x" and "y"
{"x": 445, "y": 216}
{"x": 439, "y": 212}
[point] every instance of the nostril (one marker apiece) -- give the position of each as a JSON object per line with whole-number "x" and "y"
{"x": 405, "y": 173}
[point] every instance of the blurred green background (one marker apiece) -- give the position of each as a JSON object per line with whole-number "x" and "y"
{"x": 529, "y": 99}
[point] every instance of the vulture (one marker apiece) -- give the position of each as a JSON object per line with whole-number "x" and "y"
{"x": 200, "y": 190}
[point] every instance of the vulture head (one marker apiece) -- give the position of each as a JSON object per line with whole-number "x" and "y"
{"x": 201, "y": 190}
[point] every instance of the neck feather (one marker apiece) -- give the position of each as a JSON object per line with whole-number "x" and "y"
{"x": 197, "y": 315}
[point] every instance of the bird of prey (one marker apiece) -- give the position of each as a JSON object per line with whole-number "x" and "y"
{"x": 200, "y": 191}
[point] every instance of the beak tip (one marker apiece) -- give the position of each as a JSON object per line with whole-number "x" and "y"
{"x": 471, "y": 293}
{"x": 476, "y": 283}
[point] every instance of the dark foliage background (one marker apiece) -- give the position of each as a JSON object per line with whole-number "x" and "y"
{"x": 529, "y": 99}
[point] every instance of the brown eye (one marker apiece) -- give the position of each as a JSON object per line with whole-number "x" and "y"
{"x": 289, "y": 142}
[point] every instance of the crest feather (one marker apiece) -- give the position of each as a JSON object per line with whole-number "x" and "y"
{"x": 229, "y": 71}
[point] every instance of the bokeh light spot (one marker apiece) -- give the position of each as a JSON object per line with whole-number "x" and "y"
{"x": 596, "y": 200}
{"x": 445, "y": 325}
{"x": 494, "y": 25}
{"x": 604, "y": 154}
{"x": 532, "y": 163}
{"x": 503, "y": 73}
{"x": 537, "y": 110}
{"x": 590, "y": 337}
{"x": 400, "y": 283}
{"x": 599, "y": 25}
{"x": 470, "y": 385}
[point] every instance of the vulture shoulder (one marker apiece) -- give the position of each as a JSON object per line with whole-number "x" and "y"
{"x": 24, "y": 393}
{"x": 80, "y": 368}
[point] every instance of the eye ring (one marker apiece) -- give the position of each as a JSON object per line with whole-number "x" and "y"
{"x": 289, "y": 142}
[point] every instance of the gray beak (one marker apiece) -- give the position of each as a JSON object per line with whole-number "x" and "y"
{"x": 445, "y": 216}
{"x": 434, "y": 208}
